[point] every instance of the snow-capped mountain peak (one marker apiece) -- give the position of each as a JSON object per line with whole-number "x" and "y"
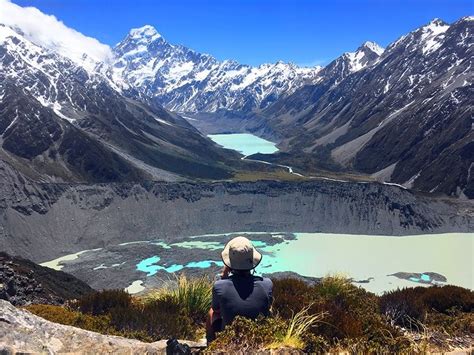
{"x": 351, "y": 62}
{"x": 432, "y": 35}
{"x": 427, "y": 38}
{"x": 188, "y": 81}
{"x": 147, "y": 31}
{"x": 374, "y": 47}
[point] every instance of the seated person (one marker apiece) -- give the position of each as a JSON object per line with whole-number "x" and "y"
{"x": 242, "y": 293}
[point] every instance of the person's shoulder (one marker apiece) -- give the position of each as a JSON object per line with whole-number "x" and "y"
{"x": 264, "y": 280}
{"x": 222, "y": 282}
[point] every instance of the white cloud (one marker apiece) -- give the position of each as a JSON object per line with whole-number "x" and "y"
{"x": 47, "y": 31}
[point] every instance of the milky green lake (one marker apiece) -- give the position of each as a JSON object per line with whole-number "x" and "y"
{"x": 244, "y": 143}
{"x": 361, "y": 257}
{"x": 371, "y": 259}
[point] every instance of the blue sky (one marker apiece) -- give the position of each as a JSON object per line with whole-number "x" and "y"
{"x": 306, "y": 32}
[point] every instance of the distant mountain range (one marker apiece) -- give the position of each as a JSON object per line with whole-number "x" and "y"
{"x": 401, "y": 115}
{"x": 187, "y": 81}
{"x": 183, "y": 80}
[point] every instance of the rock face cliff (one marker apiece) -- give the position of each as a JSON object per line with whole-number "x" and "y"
{"x": 45, "y": 221}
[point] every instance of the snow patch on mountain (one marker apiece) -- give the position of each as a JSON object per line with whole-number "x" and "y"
{"x": 374, "y": 47}
{"x": 433, "y": 35}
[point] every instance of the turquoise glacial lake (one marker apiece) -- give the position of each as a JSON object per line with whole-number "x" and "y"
{"x": 370, "y": 261}
{"x": 244, "y": 143}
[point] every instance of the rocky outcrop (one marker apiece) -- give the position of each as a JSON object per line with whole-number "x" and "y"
{"x": 45, "y": 221}
{"x": 23, "y": 282}
{"x": 23, "y": 332}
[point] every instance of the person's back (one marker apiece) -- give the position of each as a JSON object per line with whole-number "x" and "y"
{"x": 242, "y": 295}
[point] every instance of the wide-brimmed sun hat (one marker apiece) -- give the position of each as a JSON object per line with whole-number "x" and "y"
{"x": 240, "y": 254}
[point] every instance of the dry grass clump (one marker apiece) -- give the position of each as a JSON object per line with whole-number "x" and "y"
{"x": 297, "y": 328}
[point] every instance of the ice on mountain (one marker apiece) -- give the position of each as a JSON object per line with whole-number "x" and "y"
{"x": 147, "y": 31}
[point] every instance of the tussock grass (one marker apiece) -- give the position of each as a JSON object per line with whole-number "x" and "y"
{"x": 193, "y": 295}
{"x": 297, "y": 327}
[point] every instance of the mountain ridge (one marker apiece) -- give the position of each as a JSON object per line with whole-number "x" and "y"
{"x": 401, "y": 119}
{"x": 170, "y": 72}
{"x": 64, "y": 122}
{"x": 339, "y": 117}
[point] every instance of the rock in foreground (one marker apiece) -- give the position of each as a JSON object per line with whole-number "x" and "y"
{"x": 21, "y": 331}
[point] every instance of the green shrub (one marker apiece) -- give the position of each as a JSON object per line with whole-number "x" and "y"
{"x": 351, "y": 312}
{"x": 102, "y": 302}
{"x": 333, "y": 287}
{"x": 156, "y": 319}
{"x": 248, "y": 336}
{"x": 446, "y": 298}
{"x": 456, "y": 323}
{"x": 315, "y": 344}
{"x": 61, "y": 315}
{"x": 404, "y": 306}
{"x": 290, "y": 296}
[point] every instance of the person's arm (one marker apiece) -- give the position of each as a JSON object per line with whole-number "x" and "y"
{"x": 215, "y": 303}
{"x": 214, "y": 314}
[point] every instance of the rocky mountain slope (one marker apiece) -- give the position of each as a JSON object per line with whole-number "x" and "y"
{"x": 59, "y": 121}
{"x": 406, "y": 118}
{"x": 23, "y": 282}
{"x": 34, "y": 216}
